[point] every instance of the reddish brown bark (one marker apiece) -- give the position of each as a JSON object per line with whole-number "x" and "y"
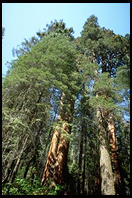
{"x": 61, "y": 157}
{"x": 51, "y": 159}
{"x": 114, "y": 157}
{"x": 57, "y": 155}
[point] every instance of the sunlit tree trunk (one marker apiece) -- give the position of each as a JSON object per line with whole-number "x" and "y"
{"x": 57, "y": 155}
{"x": 114, "y": 158}
{"x": 107, "y": 180}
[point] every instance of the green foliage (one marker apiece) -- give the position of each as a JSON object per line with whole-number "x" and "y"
{"x": 93, "y": 71}
{"x": 74, "y": 170}
{"x": 123, "y": 145}
{"x": 23, "y": 187}
{"x": 56, "y": 28}
{"x": 123, "y": 77}
{"x": 56, "y": 190}
{"x": 90, "y": 29}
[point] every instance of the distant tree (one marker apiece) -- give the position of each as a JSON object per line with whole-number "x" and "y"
{"x": 3, "y": 32}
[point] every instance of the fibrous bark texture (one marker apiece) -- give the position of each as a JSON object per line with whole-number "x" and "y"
{"x": 114, "y": 157}
{"x": 107, "y": 180}
{"x": 57, "y": 155}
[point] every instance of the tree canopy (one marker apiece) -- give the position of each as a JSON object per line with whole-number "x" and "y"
{"x": 66, "y": 99}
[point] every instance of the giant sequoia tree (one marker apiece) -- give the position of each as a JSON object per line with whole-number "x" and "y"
{"x": 107, "y": 52}
{"x": 63, "y": 124}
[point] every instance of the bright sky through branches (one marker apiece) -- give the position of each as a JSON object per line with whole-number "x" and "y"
{"x": 23, "y": 20}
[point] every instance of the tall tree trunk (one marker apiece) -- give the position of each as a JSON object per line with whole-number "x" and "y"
{"x": 27, "y": 168}
{"x": 9, "y": 169}
{"x": 107, "y": 183}
{"x": 114, "y": 158}
{"x": 80, "y": 164}
{"x": 57, "y": 155}
{"x": 82, "y": 156}
{"x": 13, "y": 175}
{"x": 13, "y": 165}
{"x": 61, "y": 159}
